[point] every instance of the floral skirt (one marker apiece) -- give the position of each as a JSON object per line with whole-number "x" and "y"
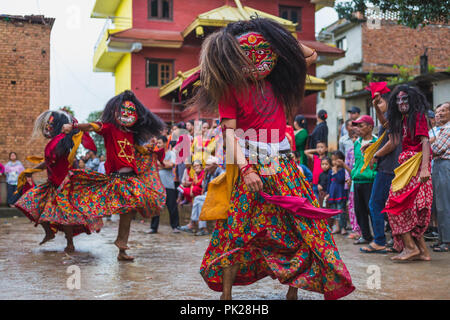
{"x": 45, "y": 203}
{"x": 268, "y": 241}
{"x": 97, "y": 195}
{"x": 416, "y": 214}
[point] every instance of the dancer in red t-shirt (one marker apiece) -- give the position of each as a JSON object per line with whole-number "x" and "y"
{"x": 47, "y": 204}
{"x": 131, "y": 183}
{"x": 255, "y": 72}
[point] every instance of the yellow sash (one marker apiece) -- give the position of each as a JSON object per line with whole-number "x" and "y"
{"x": 406, "y": 171}
{"x": 217, "y": 202}
{"x": 370, "y": 151}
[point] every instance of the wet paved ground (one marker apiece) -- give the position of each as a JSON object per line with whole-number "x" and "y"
{"x": 167, "y": 264}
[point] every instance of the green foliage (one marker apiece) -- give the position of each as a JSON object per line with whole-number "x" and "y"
{"x": 431, "y": 68}
{"x": 405, "y": 74}
{"x": 67, "y": 109}
{"x": 412, "y": 13}
{"x": 98, "y": 139}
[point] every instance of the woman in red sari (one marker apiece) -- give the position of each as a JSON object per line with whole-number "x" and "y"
{"x": 255, "y": 72}
{"x": 409, "y": 203}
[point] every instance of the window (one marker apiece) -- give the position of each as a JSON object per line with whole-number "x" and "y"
{"x": 342, "y": 44}
{"x": 158, "y": 73}
{"x": 160, "y": 9}
{"x": 339, "y": 88}
{"x": 293, "y": 14}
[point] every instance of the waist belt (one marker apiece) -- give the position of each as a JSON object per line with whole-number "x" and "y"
{"x": 123, "y": 175}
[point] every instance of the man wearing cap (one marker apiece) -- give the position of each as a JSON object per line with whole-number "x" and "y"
{"x": 355, "y": 113}
{"x": 363, "y": 181}
{"x": 212, "y": 170}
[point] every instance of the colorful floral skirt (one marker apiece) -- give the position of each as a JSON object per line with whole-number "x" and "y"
{"x": 97, "y": 195}
{"x": 268, "y": 241}
{"x": 416, "y": 213}
{"x": 45, "y": 203}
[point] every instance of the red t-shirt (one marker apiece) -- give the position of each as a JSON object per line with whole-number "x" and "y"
{"x": 119, "y": 147}
{"x": 57, "y": 167}
{"x": 317, "y": 169}
{"x": 421, "y": 130}
{"x": 255, "y": 111}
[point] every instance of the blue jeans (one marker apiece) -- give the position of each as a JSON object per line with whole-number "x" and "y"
{"x": 342, "y": 217}
{"x": 378, "y": 198}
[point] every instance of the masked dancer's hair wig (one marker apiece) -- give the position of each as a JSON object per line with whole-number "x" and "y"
{"x": 418, "y": 105}
{"x": 147, "y": 125}
{"x": 60, "y": 118}
{"x": 222, "y": 61}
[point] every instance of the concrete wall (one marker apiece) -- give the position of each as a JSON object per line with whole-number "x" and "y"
{"x": 441, "y": 92}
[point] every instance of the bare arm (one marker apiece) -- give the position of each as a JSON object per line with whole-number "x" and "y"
{"x": 235, "y": 155}
{"x": 310, "y": 153}
{"x": 40, "y": 166}
{"x": 85, "y": 127}
{"x": 387, "y": 148}
{"x": 310, "y": 55}
{"x": 424, "y": 173}
{"x": 379, "y": 103}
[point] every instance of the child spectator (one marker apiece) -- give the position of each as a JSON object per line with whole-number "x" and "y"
{"x": 303, "y": 168}
{"x": 12, "y": 170}
{"x": 321, "y": 151}
{"x": 336, "y": 193}
{"x": 324, "y": 180}
{"x": 196, "y": 180}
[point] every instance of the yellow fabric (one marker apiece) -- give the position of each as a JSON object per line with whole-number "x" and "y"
{"x": 406, "y": 171}
{"x": 76, "y": 143}
{"x": 217, "y": 202}
{"x": 23, "y": 179}
{"x": 35, "y": 159}
{"x": 95, "y": 126}
{"x": 371, "y": 150}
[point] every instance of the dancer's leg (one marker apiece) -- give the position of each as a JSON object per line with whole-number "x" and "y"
{"x": 68, "y": 230}
{"x": 292, "y": 293}
{"x": 49, "y": 234}
{"x": 229, "y": 274}
{"x": 410, "y": 248}
{"x": 123, "y": 234}
{"x": 424, "y": 253}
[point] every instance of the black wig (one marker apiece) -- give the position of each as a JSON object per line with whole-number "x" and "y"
{"x": 418, "y": 105}
{"x": 147, "y": 125}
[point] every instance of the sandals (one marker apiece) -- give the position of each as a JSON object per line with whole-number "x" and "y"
{"x": 361, "y": 241}
{"x": 441, "y": 248}
{"x": 370, "y": 249}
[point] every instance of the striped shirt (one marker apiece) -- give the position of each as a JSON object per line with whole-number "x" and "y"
{"x": 441, "y": 147}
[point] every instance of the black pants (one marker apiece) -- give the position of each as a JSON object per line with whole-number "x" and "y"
{"x": 171, "y": 203}
{"x": 362, "y": 211}
{"x": 11, "y": 197}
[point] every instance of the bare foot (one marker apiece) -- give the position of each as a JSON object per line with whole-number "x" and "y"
{"x": 121, "y": 246}
{"x": 124, "y": 257}
{"x": 48, "y": 237}
{"x": 406, "y": 255}
{"x": 422, "y": 257}
{"x": 225, "y": 297}
{"x": 292, "y": 294}
{"x": 69, "y": 249}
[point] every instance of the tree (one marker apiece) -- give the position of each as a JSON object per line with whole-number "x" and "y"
{"x": 98, "y": 139}
{"x": 411, "y": 13}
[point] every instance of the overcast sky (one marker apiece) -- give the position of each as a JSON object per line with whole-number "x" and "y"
{"x": 73, "y": 37}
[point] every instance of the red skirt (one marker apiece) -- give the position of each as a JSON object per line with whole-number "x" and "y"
{"x": 409, "y": 209}
{"x": 97, "y": 195}
{"x": 267, "y": 240}
{"x": 45, "y": 203}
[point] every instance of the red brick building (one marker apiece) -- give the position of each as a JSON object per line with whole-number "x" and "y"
{"x": 153, "y": 45}
{"x": 24, "y": 81}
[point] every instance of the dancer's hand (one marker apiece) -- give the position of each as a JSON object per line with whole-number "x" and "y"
{"x": 67, "y": 128}
{"x": 424, "y": 175}
{"x": 253, "y": 182}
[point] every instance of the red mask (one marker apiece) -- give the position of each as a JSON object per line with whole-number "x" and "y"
{"x": 128, "y": 114}
{"x": 260, "y": 53}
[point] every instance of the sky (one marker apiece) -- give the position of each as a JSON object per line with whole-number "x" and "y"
{"x": 74, "y": 35}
